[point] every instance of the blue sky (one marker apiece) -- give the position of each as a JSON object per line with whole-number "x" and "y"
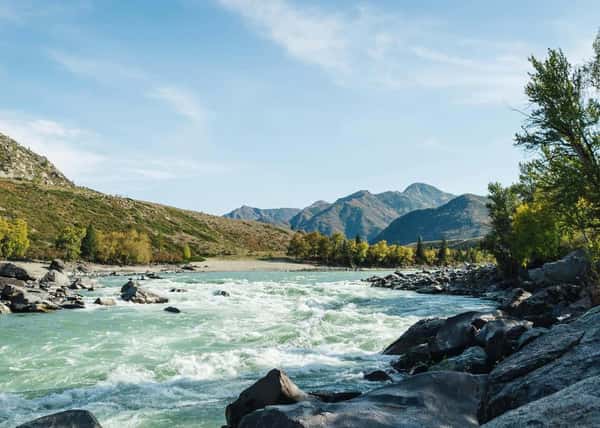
{"x": 210, "y": 104}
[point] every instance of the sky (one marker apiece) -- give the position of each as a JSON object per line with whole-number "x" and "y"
{"x": 211, "y": 104}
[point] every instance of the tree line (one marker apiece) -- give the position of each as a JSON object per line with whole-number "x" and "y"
{"x": 555, "y": 206}
{"x": 112, "y": 247}
{"x": 337, "y": 250}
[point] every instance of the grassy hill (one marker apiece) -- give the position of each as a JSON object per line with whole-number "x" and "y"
{"x": 462, "y": 218}
{"x": 48, "y": 209}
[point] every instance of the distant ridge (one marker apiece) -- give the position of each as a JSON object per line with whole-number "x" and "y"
{"x": 464, "y": 217}
{"x": 276, "y": 216}
{"x": 361, "y": 213}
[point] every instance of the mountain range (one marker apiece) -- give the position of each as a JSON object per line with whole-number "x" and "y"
{"x": 33, "y": 189}
{"x": 398, "y": 217}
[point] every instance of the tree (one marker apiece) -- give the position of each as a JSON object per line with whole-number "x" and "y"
{"x": 14, "y": 240}
{"x": 89, "y": 244}
{"x": 563, "y": 131}
{"x": 420, "y": 257}
{"x": 502, "y": 206}
{"x": 442, "y": 254}
{"x": 69, "y": 242}
{"x": 187, "y": 252}
{"x": 298, "y": 247}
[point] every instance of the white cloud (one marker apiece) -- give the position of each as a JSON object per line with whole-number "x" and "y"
{"x": 182, "y": 102}
{"x": 61, "y": 144}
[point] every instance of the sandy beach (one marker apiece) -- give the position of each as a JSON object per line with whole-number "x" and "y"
{"x": 39, "y": 268}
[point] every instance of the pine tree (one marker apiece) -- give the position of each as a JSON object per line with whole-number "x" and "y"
{"x": 420, "y": 257}
{"x": 89, "y": 244}
{"x": 442, "y": 255}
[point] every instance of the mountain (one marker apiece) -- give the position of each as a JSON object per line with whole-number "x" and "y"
{"x": 19, "y": 163}
{"x": 463, "y": 217}
{"x": 33, "y": 189}
{"x": 306, "y": 213}
{"x": 366, "y": 214}
{"x": 276, "y": 216}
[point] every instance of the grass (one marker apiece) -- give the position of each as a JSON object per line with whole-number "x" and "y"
{"x": 48, "y": 209}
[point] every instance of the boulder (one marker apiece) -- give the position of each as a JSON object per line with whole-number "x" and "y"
{"x": 575, "y": 406}
{"x": 454, "y": 336}
{"x": 4, "y": 309}
{"x": 425, "y": 400}
{"x": 571, "y": 269}
{"x": 417, "y": 334}
{"x": 55, "y": 278}
{"x": 546, "y": 306}
{"x": 334, "y": 397}
{"x": 82, "y": 284}
{"x": 377, "y": 376}
{"x": 499, "y": 337}
{"x": 275, "y": 388}
{"x": 132, "y": 292}
{"x": 24, "y": 299}
{"x": 10, "y": 270}
{"x": 66, "y": 419}
{"x": 178, "y": 290}
{"x": 417, "y": 356}
{"x": 222, "y": 293}
{"x": 57, "y": 264}
{"x": 473, "y": 360}
{"x": 105, "y": 301}
{"x": 513, "y": 299}
{"x": 172, "y": 310}
{"x": 564, "y": 355}
{"x": 530, "y": 335}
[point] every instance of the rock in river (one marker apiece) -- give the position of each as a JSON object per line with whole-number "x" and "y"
{"x": 66, "y": 419}
{"x": 10, "y": 270}
{"x": 132, "y": 292}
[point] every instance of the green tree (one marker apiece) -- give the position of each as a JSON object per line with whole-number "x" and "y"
{"x": 89, "y": 244}
{"x": 298, "y": 247}
{"x": 442, "y": 254}
{"x": 187, "y": 252}
{"x": 420, "y": 256}
{"x": 14, "y": 240}
{"x": 69, "y": 242}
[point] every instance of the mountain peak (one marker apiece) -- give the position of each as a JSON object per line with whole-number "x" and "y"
{"x": 20, "y": 163}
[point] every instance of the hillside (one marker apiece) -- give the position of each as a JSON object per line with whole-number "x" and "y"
{"x": 307, "y": 213}
{"x": 20, "y": 163}
{"x": 276, "y": 216}
{"x": 462, "y": 218}
{"x": 366, "y": 214}
{"x": 33, "y": 189}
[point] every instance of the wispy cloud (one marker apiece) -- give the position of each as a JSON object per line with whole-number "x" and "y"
{"x": 362, "y": 46}
{"x": 181, "y": 101}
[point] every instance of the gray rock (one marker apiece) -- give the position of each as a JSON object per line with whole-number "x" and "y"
{"x": 416, "y": 356}
{"x": 24, "y": 299}
{"x": 4, "y": 309}
{"x": 377, "y": 376}
{"x": 66, "y": 419}
{"x": 455, "y": 335}
{"x": 334, "y": 397}
{"x": 57, "y": 264}
{"x": 565, "y": 355}
{"x": 275, "y": 388}
{"x": 417, "y": 334}
{"x": 473, "y": 360}
{"x": 82, "y": 284}
{"x": 10, "y": 270}
{"x": 172, "y": 310}
{"x": 530, "y": 335}
{"x": 575, "y": 406}
{"x": 571, "y": 269}
{"x": 499, "y": 337}
{"x": 132, "y": 292}
{"x": 221, "y": 293}
{"x": 425, "y": 400}
{"x": 105, "y": 301}
{"x": 55, "y": 278}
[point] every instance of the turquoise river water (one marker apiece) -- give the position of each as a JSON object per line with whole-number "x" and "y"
{"x": 138, "y": 366}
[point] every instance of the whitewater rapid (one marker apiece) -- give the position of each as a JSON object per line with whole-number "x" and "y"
{"x": 138, "y": 366}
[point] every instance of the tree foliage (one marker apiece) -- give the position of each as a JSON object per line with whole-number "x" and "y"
{"x": 68, "y": 242}
{"x": 89, "y": 244}
{"x": 14, "y": 239}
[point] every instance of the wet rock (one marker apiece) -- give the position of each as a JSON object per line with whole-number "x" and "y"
{"x": 530, "y": 335}
{"x": 188, "y": 267}
{"x": 273, "y": 389}
{"x": 563, "y": 356}
{"x": 221, "y": 293}
{"x": 24, "y": 299}
{"x": 570, "y": 269}
{"x": 105, "y": 301}
{"x": 335, "y": 397}
{"x": 172, "y": 309}
{"x": 4, "y": 309}
{"x": 417, "y": 334}
{"x": 418, "y": 355}
{"x": 575, "y": 406}
{"x": 132, "y": 292}
{"x": 178, "y": 290}
{"x": 377, "y": 376}
{"x": 58, "y": 265}
{"x": 473, "y": 360}
{"x": 153, "y": 275}
{"x": 66, "y": 419}
{"x": 82, "y": 284}
{"x": 513, "y": 299}
{"x": 10, "y": 270}
{"x": 413, "y": 402}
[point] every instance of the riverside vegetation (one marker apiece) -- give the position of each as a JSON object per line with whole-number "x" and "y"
{"x": 532, "y": 362}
